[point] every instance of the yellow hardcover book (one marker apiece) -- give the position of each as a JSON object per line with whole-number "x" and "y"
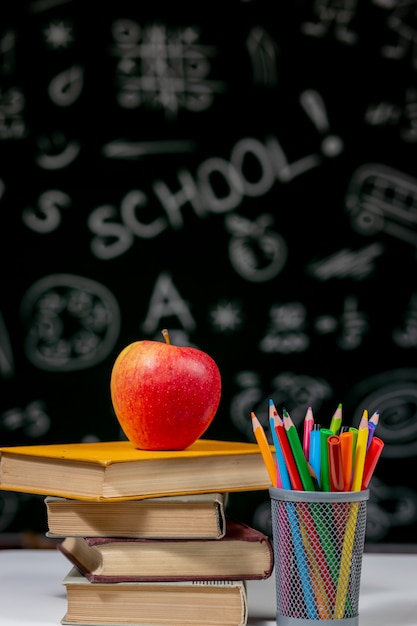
{"x": 200, "y": 515}
{"x": 111, "y": 470}
{"x": 195, "y": 603}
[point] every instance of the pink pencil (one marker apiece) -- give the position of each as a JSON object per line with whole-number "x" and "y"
{"x": 308, "y": 427}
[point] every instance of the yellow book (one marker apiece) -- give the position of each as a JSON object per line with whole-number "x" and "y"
{"x": 114, "y": 470}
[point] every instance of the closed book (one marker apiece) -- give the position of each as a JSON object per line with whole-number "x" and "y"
{"x": 243, "y": 553}
{"x": 171, "y": 517}
{"x": 191, "y": 603}
{"x": 117, "y": 470}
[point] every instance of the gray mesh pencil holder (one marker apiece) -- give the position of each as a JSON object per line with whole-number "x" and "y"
{"x": 318, "y": 540}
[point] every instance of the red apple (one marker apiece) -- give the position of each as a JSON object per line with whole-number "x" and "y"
{"x": 164, "y": 396}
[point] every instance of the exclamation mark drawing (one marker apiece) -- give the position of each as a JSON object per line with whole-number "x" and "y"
{"x": 312, "y": 102}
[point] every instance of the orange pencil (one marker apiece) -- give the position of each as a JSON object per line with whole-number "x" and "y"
{"x": 346, "y": 446}
{"x": 265, "y": 449}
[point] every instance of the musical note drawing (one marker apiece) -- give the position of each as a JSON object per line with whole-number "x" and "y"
{"x": 402, "y": 22}
{"x": 332, "y": 16}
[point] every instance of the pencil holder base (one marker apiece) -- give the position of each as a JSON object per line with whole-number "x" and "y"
{"x": 282, "y": 620}
{"x": 318, "y": 540}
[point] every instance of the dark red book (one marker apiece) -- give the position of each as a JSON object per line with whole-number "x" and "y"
{"x": 243, "y": 553}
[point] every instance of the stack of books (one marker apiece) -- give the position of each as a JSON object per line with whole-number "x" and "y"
{"x": 147, "y": 533}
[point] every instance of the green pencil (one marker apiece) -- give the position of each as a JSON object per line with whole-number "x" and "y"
{"x": 325, "y": 433}
{"x": 297, "y": 450}
{"x": 336, "y": 421}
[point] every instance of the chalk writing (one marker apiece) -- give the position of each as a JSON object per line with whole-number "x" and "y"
{"x": 94, "y": 322}
{"x": 163, "y": 67}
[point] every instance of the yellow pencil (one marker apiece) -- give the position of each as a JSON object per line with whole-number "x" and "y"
{"x": 360, "y": 452}
{"x": 345, "y": 560}
{"x": 265, "y": 449}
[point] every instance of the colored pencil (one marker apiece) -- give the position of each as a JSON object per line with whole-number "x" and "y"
{"x": 316, "y": 562}
{"x": 372, "y": 456}
{"x": 372, "y": 424}
{"x": 374, "y": 419}
{"x": 264, "y": 447}
{"x": 346, "y": 443}
{"x": 307, "y": 428}
{"x": 335, "y": 463}
{"x": 360, "y": 452}
{"x": 314, "y": 452}
{"x": 336, "y": 420}
{"x": 325, "y": 433}
{"x": 354, "y": 432}
{"x": 288, "y": 455}
{"x": 345, "y": 560}
{"x": 281, "y": 465}
{"x": 302, "y": 562}
{"x": 297, "y": 451}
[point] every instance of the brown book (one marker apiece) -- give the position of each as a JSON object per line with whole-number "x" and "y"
{"x": 195, "y": 603}
{"x": 243, "y": 553}
{"x": 172, "y": 517}
{"x": 116, "y": 470}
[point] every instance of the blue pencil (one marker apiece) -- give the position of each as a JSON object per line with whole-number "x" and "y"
{"x": 314, "y": 452}
{"x": 302, "y": 563}
{"x": 372, "y": 424}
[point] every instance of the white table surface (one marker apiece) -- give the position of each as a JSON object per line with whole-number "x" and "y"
{"x": 32, "y": 594}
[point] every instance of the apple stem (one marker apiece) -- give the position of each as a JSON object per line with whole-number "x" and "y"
{"x": 166, "y": 335}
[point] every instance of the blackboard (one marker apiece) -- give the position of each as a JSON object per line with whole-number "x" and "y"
{"x": 241, "y": 173}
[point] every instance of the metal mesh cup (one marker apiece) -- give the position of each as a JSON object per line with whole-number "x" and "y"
{"x": 318, "y": 540}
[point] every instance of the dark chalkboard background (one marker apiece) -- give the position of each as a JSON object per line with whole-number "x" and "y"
{"x": 242, "y": 173}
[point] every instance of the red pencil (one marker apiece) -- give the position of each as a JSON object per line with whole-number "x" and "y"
{"x": 335, "y": 463}
{"x": 372, "y": 455}
{"x": 293, "y": 474}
